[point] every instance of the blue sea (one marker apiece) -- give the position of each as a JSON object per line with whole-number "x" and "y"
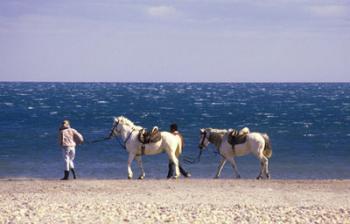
{"x": 308, "y": 124}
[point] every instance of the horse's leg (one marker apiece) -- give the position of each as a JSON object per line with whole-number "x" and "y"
{"x": 139, "y": 163}
{"x": 221, "y": 165}
{"x": 130, "y": 159}
{"x": 267, "y": 169}
{"x": 234, "y": 167}
{"x": 175, "y": 161}
{"x": 263, "y": 167}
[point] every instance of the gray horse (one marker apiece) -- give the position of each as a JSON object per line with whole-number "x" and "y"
{"x": 256, "y": 143}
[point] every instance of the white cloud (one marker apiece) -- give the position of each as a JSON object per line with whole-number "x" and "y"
{"x": 329, "y": 10}
{"x": 161, "y": 11}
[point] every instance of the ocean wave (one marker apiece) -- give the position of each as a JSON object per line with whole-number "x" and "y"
{"x": 9, "y": 104}
{"x": 309, "y": 135}
{"x": 22, "y": 94}
{"x": 166, "y": 108}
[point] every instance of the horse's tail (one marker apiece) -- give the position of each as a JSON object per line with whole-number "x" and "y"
{"x": 268, "y": 149}
{"x": 178, "y": 150}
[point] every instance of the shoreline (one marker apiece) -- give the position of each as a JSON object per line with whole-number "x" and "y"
{"x": 174, "y": 201}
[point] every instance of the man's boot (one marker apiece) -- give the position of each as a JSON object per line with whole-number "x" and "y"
{"x": 73, "y": 172}
{"x": 66, "y": 175}
{"x": 183, "y": 172}
{"x": 171, "y": 170}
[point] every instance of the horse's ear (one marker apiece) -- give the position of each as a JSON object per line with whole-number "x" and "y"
{"x": 115, "y": 119}
{"x": 202, "y": 130}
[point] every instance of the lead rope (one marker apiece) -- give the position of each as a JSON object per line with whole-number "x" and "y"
{"x": 126, "y": 140}
{"x": 190, "y": 160}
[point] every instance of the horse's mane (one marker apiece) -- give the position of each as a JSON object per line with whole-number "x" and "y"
{"x": 217, "y": 131}
{"x": 216, "y": 135}
{"x": 126, "y": 121}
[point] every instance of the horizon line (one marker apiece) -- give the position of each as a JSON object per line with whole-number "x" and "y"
{"x": 184, "y": 82}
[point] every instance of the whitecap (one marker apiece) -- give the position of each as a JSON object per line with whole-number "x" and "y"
{"x": 307, "y": 124}
{"x": 206, "y": 115}
{"x": 298, "y": 122}
{"x": 53, "y": 112}
{"x": 309, "y": 135}
{"x": 271, "y": 116}
{"x": 39, "y": 99}
{"x": 102, "y": 101}
{"x": 43, "y": 135}
{"x": 306, "y": 104}
{"x": 30, "y": 108}
{"x": 144, "y": 115}
{"x": 166, "y": 108}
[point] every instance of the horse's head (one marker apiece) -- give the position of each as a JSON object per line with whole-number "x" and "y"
{"x": 204, "y": 138}
{"x": 116, "y": 128}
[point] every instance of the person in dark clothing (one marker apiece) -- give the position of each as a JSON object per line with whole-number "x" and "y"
{"x": 173, "y": 130}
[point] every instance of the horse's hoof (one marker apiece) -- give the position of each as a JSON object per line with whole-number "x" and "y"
{"x": 129, "y": 177}
{"x": 259, "y": 177}
{"x": 175, "y": 177}
{"x": 268, "y": 176}
{"x": 141, "y": 177}
{"x": 216, "y": 177}
{"x": 238, "y": 177}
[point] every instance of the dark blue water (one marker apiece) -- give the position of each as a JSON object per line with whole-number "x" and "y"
{"x": 309, "y": 125}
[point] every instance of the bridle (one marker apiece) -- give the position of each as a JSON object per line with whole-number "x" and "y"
{"x": 119, "y": 139}
{"x": 115, "y": 125}
{"x": 204, "y": 136}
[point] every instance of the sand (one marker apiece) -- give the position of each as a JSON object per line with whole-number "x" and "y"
{"x": 175, "y": 201}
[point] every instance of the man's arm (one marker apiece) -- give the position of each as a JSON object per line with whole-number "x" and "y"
{"x": 78, "y": 135}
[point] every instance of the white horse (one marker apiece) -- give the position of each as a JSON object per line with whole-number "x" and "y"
{"x": 128, "y": 132}
{"x": 256, "y": 143}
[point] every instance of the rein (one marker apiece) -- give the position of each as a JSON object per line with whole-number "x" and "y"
{"x": 190, "y": 160}
{"x": 122, "y": 144}
{"x": 126, "y": 140}
{"x": 203, "y": 139}
{"x": 99, "y": 140}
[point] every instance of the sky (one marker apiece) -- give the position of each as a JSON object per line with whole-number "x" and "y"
{"x": 175, "y": 41}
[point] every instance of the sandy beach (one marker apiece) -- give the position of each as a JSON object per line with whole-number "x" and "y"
{"x": 174, "y": 201}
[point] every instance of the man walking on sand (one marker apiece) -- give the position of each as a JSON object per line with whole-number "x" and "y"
{"x": 174, "y": 131}
{"x": 68, "y": 139}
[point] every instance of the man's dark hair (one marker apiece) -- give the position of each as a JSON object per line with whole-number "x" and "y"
{"x": 173, "y": 127}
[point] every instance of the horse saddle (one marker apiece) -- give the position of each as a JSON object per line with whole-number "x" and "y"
{"x": 146, "y": 137}
{"x": 237, "y": 137}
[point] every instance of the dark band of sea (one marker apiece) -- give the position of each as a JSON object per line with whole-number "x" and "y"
{"x": 308, "y": 124}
